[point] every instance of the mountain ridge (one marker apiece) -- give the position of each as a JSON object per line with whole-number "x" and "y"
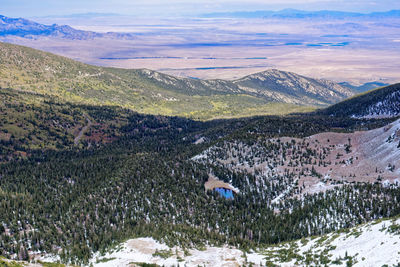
{"x": 295, "y": 13}
{"x": 364, "y": 87}
{"x": 29, "y": 29}
{"x": 293, "y": 84}
{"x": 152, "y": 92}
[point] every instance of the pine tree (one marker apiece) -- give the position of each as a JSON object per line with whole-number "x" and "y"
{"x": 23, "y": 254}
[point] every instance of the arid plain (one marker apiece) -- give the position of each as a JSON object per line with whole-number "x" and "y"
{"x": 357, "y": 50}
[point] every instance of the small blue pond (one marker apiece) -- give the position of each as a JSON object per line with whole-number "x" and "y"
{"x": 226, "y": 193}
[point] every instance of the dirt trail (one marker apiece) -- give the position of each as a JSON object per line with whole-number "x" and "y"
{"x": 84, "y": 129}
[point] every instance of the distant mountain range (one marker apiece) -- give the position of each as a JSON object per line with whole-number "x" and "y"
{"x": 85, "y": 15}
{"x": 294, "y": 13}
{"x": 30, "y": 29}
{"x": 364, "y": 87}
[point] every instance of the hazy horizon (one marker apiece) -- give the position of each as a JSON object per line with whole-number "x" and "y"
{"x": 174, "y": 39}
{"x": 159, "y": 8}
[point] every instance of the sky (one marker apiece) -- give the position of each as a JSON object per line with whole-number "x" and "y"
{"x": 37, "y": 8}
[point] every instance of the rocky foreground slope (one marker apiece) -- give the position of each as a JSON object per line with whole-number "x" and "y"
{"x": 371, "y": 244}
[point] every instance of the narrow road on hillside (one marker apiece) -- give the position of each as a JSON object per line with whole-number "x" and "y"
{"x": 84, "y": 129}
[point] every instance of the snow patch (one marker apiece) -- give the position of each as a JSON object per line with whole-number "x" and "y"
{"x": 143, "y": 250}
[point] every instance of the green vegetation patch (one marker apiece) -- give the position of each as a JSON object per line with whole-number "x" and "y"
{"x": 142, "y": 264}
{"x": 9, "y": 263}
{"x": 165, "y": 254}
{"x": 51, "y": 264}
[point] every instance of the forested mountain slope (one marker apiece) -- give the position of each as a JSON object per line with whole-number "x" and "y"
{"x": 287, "y": 167}
{"x": 293, "y": 88}
{"x": 134, "y": 175}
{"x": 145, "y": 91}
{"x": 379, "y": 103}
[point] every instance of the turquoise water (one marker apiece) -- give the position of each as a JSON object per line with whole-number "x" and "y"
{"x": 216, "y": 68}
{"x": 226, "y": 193}
{"x": 255, "y": 58}
{"x": 330, "y": 44}
{"x": 293, "y": 43}
{"x": 341, "y": 44}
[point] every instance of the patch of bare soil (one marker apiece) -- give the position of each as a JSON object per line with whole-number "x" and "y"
{"x": 213, "y": 182}
{"x": 316, "y": 163}
{"x": 144, "y": 246}
{"x": 370, "y": 156}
